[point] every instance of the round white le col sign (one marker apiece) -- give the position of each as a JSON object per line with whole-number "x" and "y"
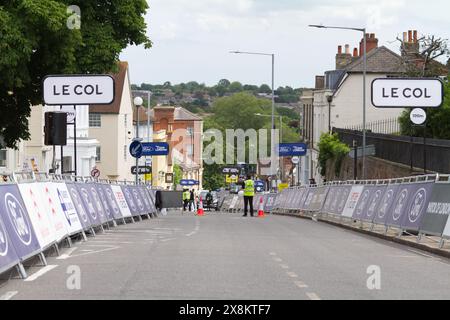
{"x": 418, "y": 116}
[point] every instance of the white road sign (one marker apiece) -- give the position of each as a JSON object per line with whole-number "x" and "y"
{"x": 418, "y": 116}
{"x": 295, "y": 160}
{"x": 78, "y": 89}
{"x": 408, "y": 92}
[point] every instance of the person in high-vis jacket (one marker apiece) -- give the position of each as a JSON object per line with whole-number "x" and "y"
{"x": 186, "y": 196}
{"x": 249, "y": 193}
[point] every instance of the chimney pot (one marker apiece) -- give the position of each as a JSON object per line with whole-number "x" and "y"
{"x": 372, "y": 36}
{"x": 415, "y": 36}
{"x": 405, "y": 37}
{"x": 410, "y": 36}
{"x": 347, "y": 49}
{"x": 355, "y": 52}
{"x": 339, "y": 49}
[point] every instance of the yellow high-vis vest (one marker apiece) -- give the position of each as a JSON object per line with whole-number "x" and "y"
{"x": 249, "y": 190}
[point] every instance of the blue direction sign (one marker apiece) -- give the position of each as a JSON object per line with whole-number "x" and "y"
{"x": 155, "y": 149}
{"x": 186, "y": 182}
{"x": 136, "y": 149}
{"x": 292, "y": 149}
{"x": 259, "y": 186}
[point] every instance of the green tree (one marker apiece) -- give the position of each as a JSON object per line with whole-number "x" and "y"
{"x": 235, "y": 87}
{"x": 177, "y": 174}
{"x": 331, "y": 148}
{"x": 36, "y": 41}
{"x": 265, "y": 89}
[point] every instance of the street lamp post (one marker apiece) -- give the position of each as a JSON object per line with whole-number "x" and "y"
{"x": 363, "y": 30}
{"x": 137, "y": 102}
{"x": 273, "y": 151}
{"x": 329, "y": 99}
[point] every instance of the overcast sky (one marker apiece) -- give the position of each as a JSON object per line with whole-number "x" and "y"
{"x": 192, "y": 38}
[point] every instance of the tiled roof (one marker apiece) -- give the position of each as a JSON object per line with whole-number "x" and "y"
{"x": 180, "y": 114}
{"x": 119, "y": 81}
{"x": 379, "y": 60}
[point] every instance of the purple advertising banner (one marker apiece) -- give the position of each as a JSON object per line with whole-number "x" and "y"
{"x": 88, "y": 203}
{"x": 138, "y": 199}
{"x": 113, "y": 206}
{"x": 79, "y": 206}
{"x": 130, "y": 200}
{"x": 360, "y": 210}
{"x": 345, "y": 193}
{"x": 386, "y": 204}
{"x": 404, "y": 193}
{"x": 337, "y": 196}
{"x": 372, "y": 206}
{"x": 146, "y": 198}
{"x": 301, "y": 204}
{"x": 309, "y": 199}
{"x": 330, "y": 198}
{"x": 17, "y": 223}
{"x": 103, "y": 199}
{"x": 417, "y": 206}
{"x": 8, "y": 256}
{"x": 97, "y": 202}
{"x": 298, "y": 198}
{"x": 151, "y": 196}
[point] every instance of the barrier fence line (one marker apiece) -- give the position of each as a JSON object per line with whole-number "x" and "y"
{"x": 39, "y": 211}
{"x": 412, "y": 205}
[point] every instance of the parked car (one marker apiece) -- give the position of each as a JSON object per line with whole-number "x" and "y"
{"x": 214, "y": 204}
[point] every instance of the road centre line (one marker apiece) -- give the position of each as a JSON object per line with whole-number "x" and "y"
{"x": 313, "y": 296}
{"x": 40, "y": 273}
{"x": 66, "y": 254}
{"x": 300, "y": 284}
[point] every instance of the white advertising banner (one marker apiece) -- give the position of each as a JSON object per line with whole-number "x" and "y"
{"x": 66, "y": 208}
{"x": 352, "y": 201}
{"x": 121, "y": 201}
{"x": 50, "y": 203}
{"x": 40, "y": 221}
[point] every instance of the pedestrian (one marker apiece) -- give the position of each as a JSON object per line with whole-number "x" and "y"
{"x": 186, "y": 196}
{"x": 249, "y": 193}
{"x": 158, "y": 201}
{"x": 191, "y": 200}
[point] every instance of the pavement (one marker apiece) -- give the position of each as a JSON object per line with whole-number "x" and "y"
{"x": 224, "y": 256}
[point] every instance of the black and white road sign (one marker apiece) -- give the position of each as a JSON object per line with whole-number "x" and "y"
{"x": 142, "y": 170}
{"x": 407, "y": 93}
{"x": 78, "y": 89}
{"x": 418, "y": 116}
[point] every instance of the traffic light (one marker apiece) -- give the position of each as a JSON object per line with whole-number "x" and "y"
{"x": 55, "y": 129}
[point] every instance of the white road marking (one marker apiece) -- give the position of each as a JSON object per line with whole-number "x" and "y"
{"x": 8, "y": 295}
{"x": 191, "y": 234}
{"x": 67, "y": 254}
{"x": 292, "y": 274}
{"x": 86, "y": 250}
{"x": 112, "y": 242}
{"x": 284, "y": 266}
{"x": 313, "y": 296}
{"x": 164, "y": 240}
{"x": 278, "y": 259}
{"x": 108, "y": 248}
{"x": 273, "y": 254}
{"x": 300, "y": 284}
{"x": 40, "y": 273}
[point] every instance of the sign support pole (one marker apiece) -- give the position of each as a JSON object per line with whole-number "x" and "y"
{"x": 75, "y": 141}
{"x": 425, "y": 148}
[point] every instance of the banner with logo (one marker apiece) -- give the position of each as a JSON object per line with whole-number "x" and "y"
{"x": 8, "y": 256}
{"x": 352, "y": 201}
{"x": 332, "y": 192}
{"x": 305, "y": 194}
{"x": 146, "y": 198}
{"x": 51, "y": 206}
{"x": 395, "y": 215}
{"x": 104, "y": 202}
{"x": 341, "y": 196}
{"x": 121, "y": 201}
{"x": 66, "y": 208}
{"x": 298, "y": 198}
{"x": 111, "y": 200}
{"x": 79, "y": 206}
{"x": 130, "y": 200}
{"x": 318, "y": 199}
{"x": 376, "y": 196}
{"x": 234, "y": 201}
{"x": 438, "y": 210}
{"x": 361, "y": 207}
{"x": 89, "y": 205}
{"x": 306, "y": 204}
{"x": 386, "y": 204}
{"x": 16, "y": 222}
{"x": 269, "y": 202}
{"x": 38, "y": 216}
{"x": 417, "y": 206}
{"x": 139, "y": 200}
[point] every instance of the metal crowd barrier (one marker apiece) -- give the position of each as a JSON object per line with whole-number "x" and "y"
{"x": 415, "y": 206}
{"x": 39, "y": 211}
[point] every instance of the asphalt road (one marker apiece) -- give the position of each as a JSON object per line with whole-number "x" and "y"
{"x": 224, "y": 256}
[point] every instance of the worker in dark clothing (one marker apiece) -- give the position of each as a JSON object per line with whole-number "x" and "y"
{"x": 191, "y": 200}
{"x": 249, "y": 193}
{"x": 186, "y": 196}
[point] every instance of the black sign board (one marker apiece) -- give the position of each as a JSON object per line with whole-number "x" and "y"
{"x": 142, "y": 170}
{"x": 231, "y": 170}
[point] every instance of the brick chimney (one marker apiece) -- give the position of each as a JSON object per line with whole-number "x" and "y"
{"x": 343, "y": 59}
{"x": 411, "y": 44}
{"x": 371, "y": 43}
{"x": 320, "y": 82}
